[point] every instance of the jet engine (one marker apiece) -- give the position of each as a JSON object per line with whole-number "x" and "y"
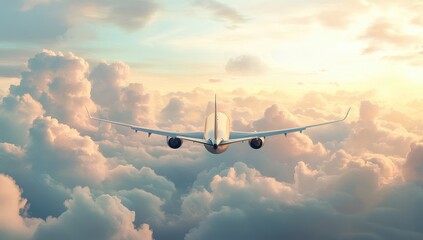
{"x": 174, "y": 142}
{"x": 256, "y": 143}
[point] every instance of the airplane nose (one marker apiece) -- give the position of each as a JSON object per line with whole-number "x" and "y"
{"x": 215, "y": 146}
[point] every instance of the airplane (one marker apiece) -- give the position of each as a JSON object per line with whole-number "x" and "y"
{"x": 216, "y": 136}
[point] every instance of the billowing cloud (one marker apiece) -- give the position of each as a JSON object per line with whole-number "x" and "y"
{"x": 173, "y": 112}
{"x": 126, "y": 102}
{"x": 12, "y": 224}
{"x": 86, "y": 217}
{"x": 65, "y": 154}
{"x": 147, "y": 206}
{"x": 378, "y": 136}
{"x": 127, "y": 177}
{"x": 58, "y": 81}
{"x": 413, "y": 166}
{"x": 108, "y": 78}
{"x": 17, "y": 114}
{"x": 241, "y": 198}
{"x": 67, "y": 175}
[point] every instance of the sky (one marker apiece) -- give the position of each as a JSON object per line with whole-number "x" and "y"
{"x": 272, "y": 64}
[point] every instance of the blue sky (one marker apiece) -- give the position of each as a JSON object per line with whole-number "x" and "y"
{"x": 189, "y": 42}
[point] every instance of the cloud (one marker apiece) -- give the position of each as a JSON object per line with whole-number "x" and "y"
{"x": 58, "y": 81}
{"x": 413, "y": 166}
{"x": 103, "y": 217}
{"x": 337, "y": 15}
{"x": 40, "y": 24}
{"x": 44, "y": 21}
{"x": 382, "y": 33}
{"x": 53, "y": 159}
{"x": 373, "y": 134}
{"x": 356, "y": 194}
{"x": 45, "y": 194}
{"x": 215, "y": 80}
{"x": 245, "y": 65}
{"x": 130, "y": 15}
{"x": 12, "y": 224}
{"x": 64, "y": 154}
{"x": 147, "y": 206}
{"x": 108, "y": 78}
{"x": 128, "y": 177}
{"x": 17, "y": 115}
{"x": 86, "y": 217}
{"x": 222, "y": 11}
{"x": 280, "y": 158}
{"x": 124, "y": 101}
{"x": 173, "y": 112}
{"x": 412, "y": 58}
{"x": 359, "y": 177}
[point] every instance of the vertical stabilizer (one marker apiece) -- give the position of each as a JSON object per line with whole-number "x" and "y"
{"x": 215, "y": 117}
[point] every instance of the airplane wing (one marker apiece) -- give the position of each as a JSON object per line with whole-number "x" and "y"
{"x": 189, "y": 136}
{"x": 245, "y": 136}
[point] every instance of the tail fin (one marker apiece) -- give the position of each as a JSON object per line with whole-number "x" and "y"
{"x": 215, "y": 117}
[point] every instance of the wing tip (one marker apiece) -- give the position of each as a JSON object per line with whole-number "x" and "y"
{"x": 88, "y": 112}
{"x": 346, "y": 115}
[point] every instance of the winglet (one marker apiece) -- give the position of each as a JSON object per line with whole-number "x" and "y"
{"x": 89, "y": 115}
{"x": 346, "y": 115}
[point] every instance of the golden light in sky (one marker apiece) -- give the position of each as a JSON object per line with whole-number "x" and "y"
{"x": 159, "y": 64}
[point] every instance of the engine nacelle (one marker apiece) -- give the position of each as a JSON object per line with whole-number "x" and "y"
{"x": 256, "y": 143}
{"x": 174, "y": 142}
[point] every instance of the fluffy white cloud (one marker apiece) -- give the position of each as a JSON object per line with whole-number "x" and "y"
{"x": 243, "y": 204}
{"x": 58, "y": 81}
{"x": 108, "y": 78}
{"x": 64, "y": 154}
{"x": 128, "y": 177}
{"x": 119, "y": 100}
{"x": 86, "y": 217}
{"x": 12, "y": 224}
{"x": 147, "y": 206}
{"x": 370, "y": 133}
{"x": 349, "y": 176}
{"x": 16, "y": 116}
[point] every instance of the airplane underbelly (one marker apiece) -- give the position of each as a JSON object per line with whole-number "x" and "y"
{"x": 220, "y": 149}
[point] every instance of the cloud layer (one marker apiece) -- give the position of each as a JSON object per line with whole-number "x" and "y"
{"x": 62, "y": 175}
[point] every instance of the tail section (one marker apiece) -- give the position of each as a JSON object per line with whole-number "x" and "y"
{"x": 215, "y": 117}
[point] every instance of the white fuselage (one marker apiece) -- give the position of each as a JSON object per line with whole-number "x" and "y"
{"x": 217, "y": 130}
